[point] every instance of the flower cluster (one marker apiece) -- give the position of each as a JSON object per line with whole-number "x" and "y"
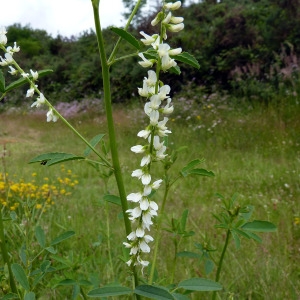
{"x": 14, "y": 69}
{"x": 157, "y": 107}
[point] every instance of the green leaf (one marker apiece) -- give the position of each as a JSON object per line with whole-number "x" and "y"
{"x": 67, "y": 282}
{"x": 126, "y": 36}
{"x": 180, "y": 296}
{"x": 185, "y": 170}
{"x": 188, "y": 254}
{"x": 62, "y": 260}
{"x": 201, "y": 172}
{"x": 62, "y": 237}
{"x": 254, "y": 237}
{"x": 112, "y": 199}
{"x": 186, "y": 58}
{"x": 2, "y": 82}
{"x": 51, "y": 250}
{"x": 40, "y": 236}
{"x": 151, "y": 54}
{"x": 153, "y": 292}
{"x": 200, "y": 284}
{"x": 259, "y": 226}
{"x": 50, "y": 159}
{"x": 236, "y": 239}
{"x": 183, "y": 220}
{"x": 94, "y": 141}
{"x": 110, "y": 291}
{"x": 76, "y": 291}
{"x": 22, "y": 80}
{"x": 208, "y": 266}
{"x": 30, "y": 296}
{"x": 175, "y": 70}
{"x": 20, "y": 275}
{"x": 45, "y": 265}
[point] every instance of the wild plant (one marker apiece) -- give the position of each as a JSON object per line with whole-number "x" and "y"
{"x": 144, "y": 209}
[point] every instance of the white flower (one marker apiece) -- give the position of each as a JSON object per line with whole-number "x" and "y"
{"x": 152, "y": 78}
{"x": 176, "y": 20}
{"x": 51, "y": 116}
{"x": 146, "y": 160}
{"x": 131, "y": 236}
{"x": 11, "y": 50}
{"x": 163, "y": 50}
{"x": 164, "y": 91}
{"x": 168, "y": 108}
{"x": 30, "y": 92}
{"x": 148, "y": 39}
{"x": 134, "y": 197}
{"x": 8, "y": 58}
{"x": 175, "y": 27}
{"x": 144, "y": 133}
{"x": 144, "y": 247}
{"x": 13, "y": 71}
{"x": 3, "y": 38}
{"x": 157, "y": 19}
{"x": 35, "y": 74}
{"x": 138, "y": 149}
{"x": 146, "y": 62}
{"x": 156, "y": 184}
{"x": 146, "y": 178}
{"x": 135, "y": 213}
{"x": 172, "y": 6}
{"x": 175, "y": 51}
{"x": 167, "y": 63}
{"x": 167, "y": 19}
{"x": 24, "y": 75}
{"x": 162, "y": 129}
{"x": 39, "y": 101}
{"x": 144, "y": 203}
{"x": 140, "y": 232}
{"x": 3, "y": 62}
{"x": 154, "y": 116}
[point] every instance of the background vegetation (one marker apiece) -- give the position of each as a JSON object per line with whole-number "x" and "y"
{"x": 247, "y": 48}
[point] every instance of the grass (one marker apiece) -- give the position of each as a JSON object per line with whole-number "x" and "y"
{"x": 253, "y": 151}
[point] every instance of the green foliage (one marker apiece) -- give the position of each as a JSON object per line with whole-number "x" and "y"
{"x": 248, "y": 48}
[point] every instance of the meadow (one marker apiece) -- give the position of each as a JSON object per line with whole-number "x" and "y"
{"x": 253, "y": 150}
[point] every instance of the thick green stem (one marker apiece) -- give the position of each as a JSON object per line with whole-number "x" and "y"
{"x": 221, "y": 262}
{"x": 6, "y": 257}
{"x": 158, "y": 232}
{"x": 110, "y": 123}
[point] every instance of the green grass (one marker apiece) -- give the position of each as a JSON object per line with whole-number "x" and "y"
{"x": 252, "y": 151}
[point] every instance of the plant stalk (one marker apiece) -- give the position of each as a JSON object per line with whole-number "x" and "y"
{"x": 221, "y": 262}
{"x": 110, "y": 123}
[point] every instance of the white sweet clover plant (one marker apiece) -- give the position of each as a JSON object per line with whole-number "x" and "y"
{"x": 157, "y": 108}
{"x": 15, "y": 69}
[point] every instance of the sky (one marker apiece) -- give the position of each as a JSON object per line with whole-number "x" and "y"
{"x": 64, "y": 17}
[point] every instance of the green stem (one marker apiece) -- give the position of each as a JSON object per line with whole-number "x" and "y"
{"x": 158, "y": 232}
{"x": 110, "y": 124}
{"x": 221, "y": 262}
{"x": 6, "y": 257}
